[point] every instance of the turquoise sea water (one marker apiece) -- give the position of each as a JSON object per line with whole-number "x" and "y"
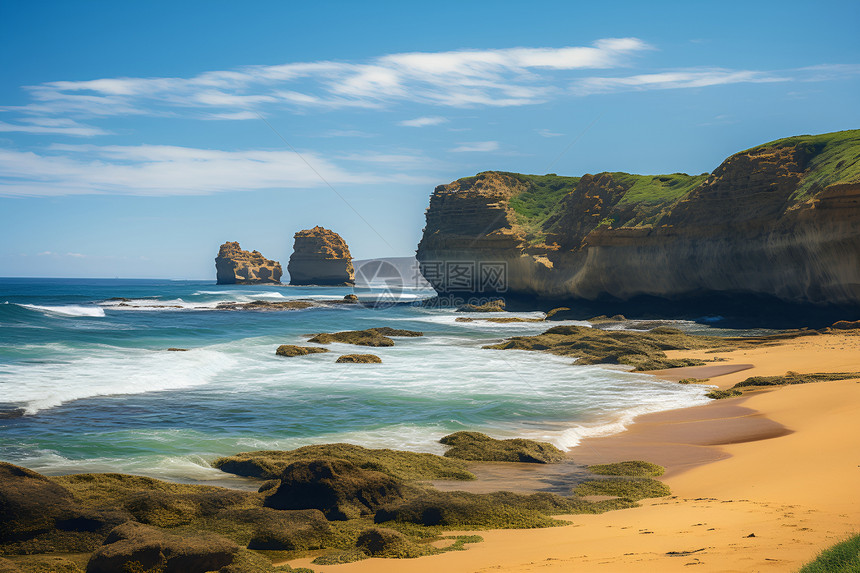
{"x": 99, "y": 391}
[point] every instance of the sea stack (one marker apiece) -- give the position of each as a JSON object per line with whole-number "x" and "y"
{"x": 235, "y": 266}
{"x": 320, "y": 257}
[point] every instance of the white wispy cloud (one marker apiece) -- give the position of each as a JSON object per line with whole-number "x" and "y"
{"x": 52, "y": 126}
{"x": 548, "y": 133}
{"x": 172, "y": 170}
{"x": 674, "y": 80}
{"x": 477, "y": 146}
{"x": 423, "y": 121}
{"x": 460, "y": 78}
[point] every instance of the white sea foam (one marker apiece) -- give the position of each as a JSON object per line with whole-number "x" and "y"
{"x": 106, "y": 371}
{"x": 67, "y": 310}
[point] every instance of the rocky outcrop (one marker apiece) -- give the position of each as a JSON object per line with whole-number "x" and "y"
{"x": 320, "y": 257}
{"x": 235, "y": 266}
{"x": 290, "y": 350}
{"x": 781, "y": 220}
{"x": 338, "y": 488}
{"x": 359, "y": 359}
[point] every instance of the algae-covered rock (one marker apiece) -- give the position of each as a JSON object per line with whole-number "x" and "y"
{"x": 489, "y": 510}
{"x": 290, "y": 350}
{"x": 359, "y": 359}
{"x": 642, "y": 350}
{"x": 136, "y": 547}
{"x": 497, "y": 305}
{"x": 266, "y": 305}
{"x": 632, "y": 489}
{"x": 368, "y": 337}
{"x": 407, "y": 466}
{"x": 632, "y": 468}
{"x": 338, "y": 488}
{"x": 30, "y": 503}
{"x": 383, "y": 542}
{"x": 388, "y": 331}
{"x": 283, "y": 530}
{"x": 481, "y": 447}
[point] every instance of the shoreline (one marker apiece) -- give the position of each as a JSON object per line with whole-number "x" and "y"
{"x": 763, "y": 481}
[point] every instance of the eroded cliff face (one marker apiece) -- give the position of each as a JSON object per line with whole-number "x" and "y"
{"x": 235, "y": 266}
{"x": 320, "y": 257}
{"x": 782, "y": 219}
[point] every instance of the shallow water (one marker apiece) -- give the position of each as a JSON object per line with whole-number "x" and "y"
{"x": 101, "y": 393}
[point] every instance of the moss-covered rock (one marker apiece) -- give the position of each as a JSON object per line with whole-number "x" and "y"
{"x": 290, "y": 350}
{"x": 283, "y": 530}
{"x": 388, "y": 331}
{"x": 642, "y": 350}
{"x": 359, "y": 359}
{"x": 136, "y": 547}
{"x": 632, "y": 468}
{"x": 489, "y": 511}
{"x": 338, "y": 488}
{"x": 481, "y": 447}
{"x": 632, "y": 489}
{"x": 368, "y": 337}
{"x": 407, "y": 466}
{"x": 497, "y": 305}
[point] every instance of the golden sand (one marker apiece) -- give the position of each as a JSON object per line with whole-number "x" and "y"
{"x": 761, "y": 483}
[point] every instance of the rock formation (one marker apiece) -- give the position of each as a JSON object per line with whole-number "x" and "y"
{"x": 781, "y": 219}
{"x": 235, "y": 266}
{"x": 320, "y": 257}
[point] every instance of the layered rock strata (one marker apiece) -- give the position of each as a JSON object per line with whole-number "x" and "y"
{"x": 235, "y": 266}
{"x": 781, "y": 219}
{"x": 320, "y": 257}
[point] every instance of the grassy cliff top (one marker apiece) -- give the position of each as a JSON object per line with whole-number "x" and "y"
{"x": 830, "y": 158}
{"x": 827, "y": 159}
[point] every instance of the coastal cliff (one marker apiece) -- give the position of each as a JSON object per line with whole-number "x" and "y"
{"x": 235, "y": 266}
{"x": 780, "y": 220}
{"x": 320, "y": 257}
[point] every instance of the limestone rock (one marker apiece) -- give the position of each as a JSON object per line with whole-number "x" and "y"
{"x": 338, "y": 488}
{"x": 320, "y": 257}
{"x": 290, "y": 350}
{"x": 235, "y": 266}
{"x": 359, "y": 359}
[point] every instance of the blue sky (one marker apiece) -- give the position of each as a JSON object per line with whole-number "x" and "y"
{"x": 137, "y": 137}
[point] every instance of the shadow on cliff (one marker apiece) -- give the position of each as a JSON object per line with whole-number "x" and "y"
{"x": 724, "y": 311}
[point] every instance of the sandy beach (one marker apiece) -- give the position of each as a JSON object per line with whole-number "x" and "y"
{"x": 761, "y": 482}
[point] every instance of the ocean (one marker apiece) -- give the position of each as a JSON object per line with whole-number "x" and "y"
{"x": 87, "y": 383}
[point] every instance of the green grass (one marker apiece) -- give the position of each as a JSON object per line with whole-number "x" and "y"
{"x": 843, "y": 557}
{"x": 633, "y": 468}
{"x": 829, "y": 157}
{"x": 657, "y": 189}
{"x": 630, "y": 489}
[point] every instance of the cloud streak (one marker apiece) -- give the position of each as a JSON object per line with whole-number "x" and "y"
{"x": 460, "y": 78}
{"x": 171, "y": 170}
